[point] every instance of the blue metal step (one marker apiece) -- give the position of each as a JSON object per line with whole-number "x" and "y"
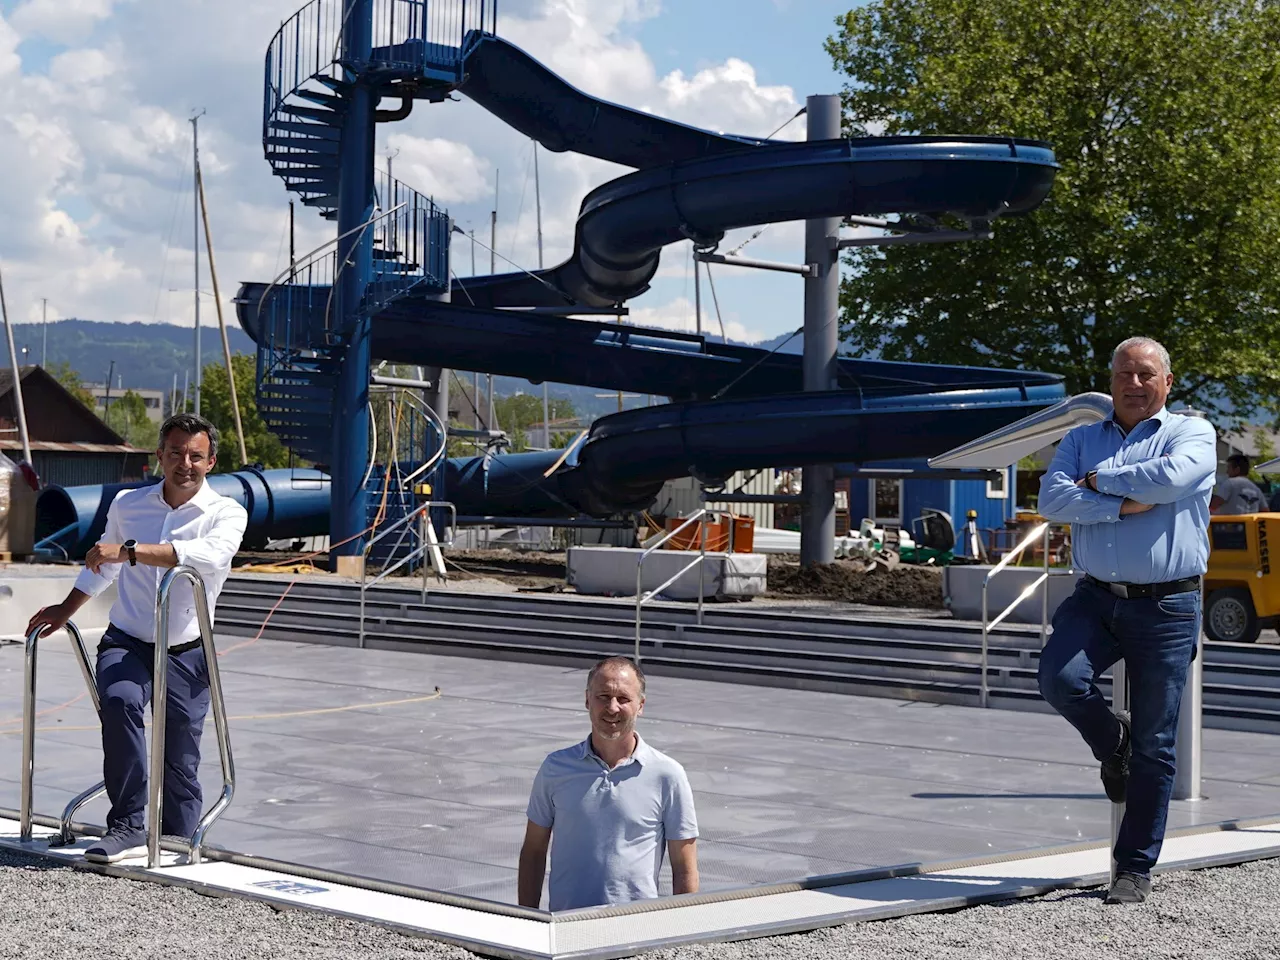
{"x": 320, "y": 130}
{"x": 332, "y": 101}
{"x": 328, "y": 117}
{"x": 310, "y": 144}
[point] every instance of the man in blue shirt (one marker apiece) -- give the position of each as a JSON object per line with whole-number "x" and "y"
{"x": 1135, "y": 488}
{"x": 609, "y": 808}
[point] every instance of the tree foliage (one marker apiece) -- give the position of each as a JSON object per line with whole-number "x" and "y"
{"x": 260, "y": 443}
{"x": 126, "y": 414}
{"x": 1165, "y": 215}
{"x": 66, "y": 375}
{"x": 520, "y": 415}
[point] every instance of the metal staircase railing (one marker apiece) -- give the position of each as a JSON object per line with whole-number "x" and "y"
{"x": 417, "y": 45}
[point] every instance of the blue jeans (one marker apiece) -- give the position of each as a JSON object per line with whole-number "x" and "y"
{"x": 124, "y": 689}
{"x": 1092, "y": 629}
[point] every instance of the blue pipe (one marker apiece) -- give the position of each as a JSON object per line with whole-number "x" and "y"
{"x": 282, "y": 505}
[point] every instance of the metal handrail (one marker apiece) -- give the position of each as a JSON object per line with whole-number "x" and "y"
{"x": 429, "y": 542}
{"x": 1038, "y": 531}
{"x": 27, "y": 777}
{"x": 642, "y": 598}
{"x": 1119, "y": 704}
{"x": 159, "y": 709}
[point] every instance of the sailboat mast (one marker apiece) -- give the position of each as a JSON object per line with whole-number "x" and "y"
{"x": 195, "y": 245}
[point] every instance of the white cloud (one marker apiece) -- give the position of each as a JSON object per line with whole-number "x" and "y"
{"x": 63, "y": 21}
{"x": 449, "y": 171}
{"x": 96, "y": 194}
{"x": 678, "y": 314}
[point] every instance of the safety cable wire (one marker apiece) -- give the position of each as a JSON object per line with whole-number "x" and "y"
{"x": 716, "y": 300}
{"x": 719, "y": 393}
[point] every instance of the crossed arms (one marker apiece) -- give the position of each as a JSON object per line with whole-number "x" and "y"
{"x": 1185, "y": 468}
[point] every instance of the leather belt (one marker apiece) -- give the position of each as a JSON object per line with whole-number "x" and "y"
{"x": 173, "y": 649}
{"x": 1142, "y": 591}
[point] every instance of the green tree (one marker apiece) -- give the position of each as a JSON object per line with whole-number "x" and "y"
{"x": 520, "y": 415}
{"x": 1164, "y": 217}
{"x": 126, "y": 414}
{"x": 67, "y": 376}
{"x": 260, "y": 443}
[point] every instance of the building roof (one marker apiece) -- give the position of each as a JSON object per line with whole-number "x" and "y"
{"x": 10, "y": 441}
{"x": 1246, "y": 441}
{"x": 60, "y": 414}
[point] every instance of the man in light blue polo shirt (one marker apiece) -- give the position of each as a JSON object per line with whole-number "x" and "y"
{"x": 1135, "y": 488}
{"x": 609, "y": 808}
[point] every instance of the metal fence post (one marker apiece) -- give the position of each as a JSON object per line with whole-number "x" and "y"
{"x": 1189, "y": 744}
{"x": 1119, "y": 703}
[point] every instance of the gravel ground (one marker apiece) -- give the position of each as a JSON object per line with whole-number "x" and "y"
{"x": 52, "y": 913}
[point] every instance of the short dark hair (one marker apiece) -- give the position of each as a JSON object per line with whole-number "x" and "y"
{"x": 618, "y": 662}
{"x": 190, "y": 423}
{"x": 1240, "y": 461}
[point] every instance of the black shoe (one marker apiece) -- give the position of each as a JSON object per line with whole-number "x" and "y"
{"x": 1115, "y": 769}
{"x": 119, "y": 844}
{"x": 1129, "y": 888}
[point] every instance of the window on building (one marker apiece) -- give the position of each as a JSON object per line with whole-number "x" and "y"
{"x": 886, "y": 501}
{"x": 999, "y": 489}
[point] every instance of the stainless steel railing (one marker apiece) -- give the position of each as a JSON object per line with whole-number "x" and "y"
{"x": 699, "y": 561}
{"x": 427, "y": 542}
{"x": 1040, "y": 530}
{"x": 159, "y": 710}
{"x": 29, "y": 734}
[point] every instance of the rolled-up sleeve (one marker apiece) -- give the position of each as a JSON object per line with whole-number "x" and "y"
{"x": 95, "y": 583}
{"x": 212, "y": 554}
{"x": 1185, "y": 468}
{"x": 1063, "y": 501}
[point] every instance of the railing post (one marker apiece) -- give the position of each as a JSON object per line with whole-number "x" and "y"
{"x": 28, "y": 735}
{"x": 702, "y": 562}
{"x": 159, "y": 712}
{"x": 1119, "y": 704}
{"x": 983, "y": 693}
{"x": 1044, "y": 596}
{"x": 1189, "y": 744}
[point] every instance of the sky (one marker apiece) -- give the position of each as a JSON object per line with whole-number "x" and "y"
{"x": 96, "y": 96}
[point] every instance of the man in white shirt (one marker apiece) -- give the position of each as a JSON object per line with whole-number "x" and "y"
{"x": 149, "y": 530}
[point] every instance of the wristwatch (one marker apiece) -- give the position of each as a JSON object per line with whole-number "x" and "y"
{"x": 1091, "y": 480}
{"x": 131, "y": 546}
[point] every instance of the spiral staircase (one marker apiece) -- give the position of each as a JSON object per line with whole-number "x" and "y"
{"x": 418, "y": 51}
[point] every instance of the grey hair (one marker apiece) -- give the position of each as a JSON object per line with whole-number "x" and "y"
{"x": 1150, "y": 344}
{"x": 192, "y": 424}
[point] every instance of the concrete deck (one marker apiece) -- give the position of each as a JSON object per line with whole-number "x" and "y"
{"x": 346, "y": 760}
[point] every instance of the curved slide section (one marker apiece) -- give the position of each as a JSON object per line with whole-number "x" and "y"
{"x": 621, "y": 466}
{"x": 695, "y": 184}
{"x": 628, "y": 456}
{"x": 624, "y": 224}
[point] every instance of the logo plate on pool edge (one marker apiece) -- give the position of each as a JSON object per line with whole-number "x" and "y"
{"x": 289, "y": 886}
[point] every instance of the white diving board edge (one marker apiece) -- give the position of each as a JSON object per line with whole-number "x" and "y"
{"x": 603, "y": 933}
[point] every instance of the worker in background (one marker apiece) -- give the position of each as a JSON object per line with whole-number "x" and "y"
{"x": 1135, "y": 489}
{"x": 1237, "y": 494}
{"x": 150, "y": 529}
{"x": 609, "y": 808}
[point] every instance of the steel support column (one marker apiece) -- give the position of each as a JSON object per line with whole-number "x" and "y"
{"x": 347, "y": 506}
{"x": 821, "y": 312}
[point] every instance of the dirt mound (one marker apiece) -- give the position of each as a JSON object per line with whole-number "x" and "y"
{"x": 518, "y": 567}
{"x": 903, "y": 586}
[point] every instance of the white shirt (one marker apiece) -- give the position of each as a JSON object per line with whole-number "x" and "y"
{"x": 205, "y": 533}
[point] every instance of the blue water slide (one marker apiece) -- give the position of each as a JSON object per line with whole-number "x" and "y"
{"x": 282, "y": 505}
{"x": 628, "y": 456}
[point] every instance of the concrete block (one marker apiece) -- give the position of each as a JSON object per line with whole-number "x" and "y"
{"x": 25, "y": 588}
{"x": 962, "y": 588}
{"x": 611, "y": 572}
